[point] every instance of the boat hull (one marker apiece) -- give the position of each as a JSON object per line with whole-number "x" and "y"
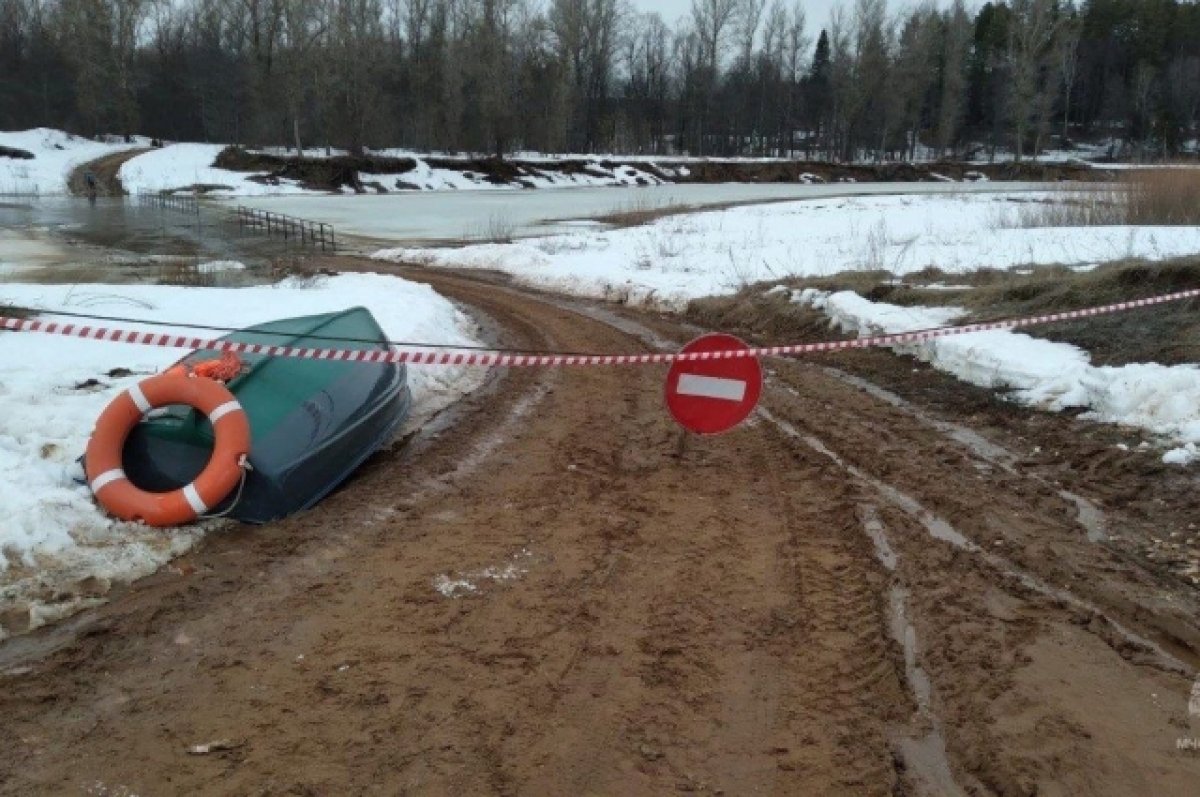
{"x": 312, "y": 422}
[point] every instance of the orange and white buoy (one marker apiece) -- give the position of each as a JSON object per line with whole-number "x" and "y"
{"x": 224, "y": 471}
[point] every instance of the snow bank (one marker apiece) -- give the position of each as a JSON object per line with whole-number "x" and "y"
{"x": 429, "y": 178}
{"x": 55, "y": 155}
{"x": 1163, "y": 400}
{"x": 688, "y": 256}
{"x": 178, "y": 166}
{"x": 54, "y": 538}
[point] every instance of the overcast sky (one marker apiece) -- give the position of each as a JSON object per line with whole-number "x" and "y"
{"x": 817, "y": 11}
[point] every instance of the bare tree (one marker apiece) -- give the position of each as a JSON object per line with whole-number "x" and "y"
{"x": 304, "y": 25}
{"x": 794, "y": 49}
{"x": 749, "y": 17}
{"x": 868, "y": 104}
{"x": 350, "y": 81}
{"x": 648, "y": 65}
{"x": 1068, "y": 65}
{"x": 956, "y": 49}
{"x": 712, "y": 20}
{"x": 1031, "y": 35}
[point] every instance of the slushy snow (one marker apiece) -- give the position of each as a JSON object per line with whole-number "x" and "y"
{"x": 58, "y": 551}
{"x": 688, "y": 256}
{"x": 1163, "y": 400}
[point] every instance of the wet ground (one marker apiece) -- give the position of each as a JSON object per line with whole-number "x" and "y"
{"x": 113, "y": 239}
{"x": 884, "y": 583}
{"x": 865, "y": 590}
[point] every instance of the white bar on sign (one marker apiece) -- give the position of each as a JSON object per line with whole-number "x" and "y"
{"x": 711, "y": 387}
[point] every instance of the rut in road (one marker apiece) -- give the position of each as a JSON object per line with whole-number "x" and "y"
{"x": 638, "y": 620}
{"x": 557, "y": 597}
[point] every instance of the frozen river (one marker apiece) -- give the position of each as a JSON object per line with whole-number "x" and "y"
{"x": 449, "y": 216}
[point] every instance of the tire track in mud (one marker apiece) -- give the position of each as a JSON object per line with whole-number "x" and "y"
{"x": 106, "y": 170}
{"x": 554, "y": 594}
{"x": 975, "y": 623}
{"x": 584, "y": 606}
{"x": 976, "y": 626}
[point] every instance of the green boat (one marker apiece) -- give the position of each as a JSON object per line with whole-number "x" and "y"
{"x": 312, "y": 422}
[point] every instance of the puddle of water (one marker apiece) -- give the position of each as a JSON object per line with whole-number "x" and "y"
{"x": 978, "y": 444}
{"x": 926, "y": 756}
{"x": 884, "y": 552}
{"x": 924, "y": 751}
{"x": 936, "y": 526}
{"x": 1089, "y": 516}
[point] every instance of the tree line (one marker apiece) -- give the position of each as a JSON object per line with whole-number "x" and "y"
{"x": 732, "y": 77}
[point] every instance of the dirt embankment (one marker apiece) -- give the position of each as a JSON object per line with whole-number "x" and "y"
{"x": 717, "y": 171}
{"x": 346, "y": 171}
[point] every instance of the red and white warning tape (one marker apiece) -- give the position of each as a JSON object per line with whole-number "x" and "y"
{"x": 416, "y": 356}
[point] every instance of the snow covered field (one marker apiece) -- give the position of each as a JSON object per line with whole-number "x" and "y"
{"x": 689, "y": 256}
{"x": 1161, "y": 400}
{"x": 55, "y": 155}
{"x": 683, "y": 257}
{"x": 58, "y": 551}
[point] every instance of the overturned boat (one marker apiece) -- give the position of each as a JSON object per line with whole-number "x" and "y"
{"x": 311, "y": 423}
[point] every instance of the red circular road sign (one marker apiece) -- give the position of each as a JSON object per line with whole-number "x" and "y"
{"x": 713, "y": 396}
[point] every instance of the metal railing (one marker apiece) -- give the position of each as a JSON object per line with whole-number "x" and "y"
{"x": 176, "y": 202}
{"x": 290, "y": 228}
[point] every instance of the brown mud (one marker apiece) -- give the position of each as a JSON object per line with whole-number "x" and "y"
{"x": 105, "y": 170}
{"x": 856, "y": 593}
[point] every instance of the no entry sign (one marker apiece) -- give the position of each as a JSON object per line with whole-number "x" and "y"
{"x": 713, "y": 396}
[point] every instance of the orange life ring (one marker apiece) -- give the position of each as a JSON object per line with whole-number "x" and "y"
{"x": 224, "y": 470}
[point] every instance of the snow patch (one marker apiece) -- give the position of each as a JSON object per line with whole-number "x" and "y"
{"x": 58, "y": 551}
{"x": 1164, "y": 400}
{"x": 55, "y": 155}
{"x": 1184, "y": 455}
{"x": 683, "y": 257}
{"x": 179, "y": 166}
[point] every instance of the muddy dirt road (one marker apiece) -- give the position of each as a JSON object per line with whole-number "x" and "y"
{"x": 106, "y": 171}
{"x": 553, "y": 595}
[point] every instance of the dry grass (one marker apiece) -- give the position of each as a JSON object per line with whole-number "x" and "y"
{"x": 12, "y": 311}
{"x": 1052, "y": 289}
{"x": 1168, "y": 334}
{"x": 1169, "y": 197}
{"x": 1164, "y": 196}
{"x": 640, "y": 212}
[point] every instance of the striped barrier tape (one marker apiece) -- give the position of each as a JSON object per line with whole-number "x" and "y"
{"x": 417, "y": 356}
